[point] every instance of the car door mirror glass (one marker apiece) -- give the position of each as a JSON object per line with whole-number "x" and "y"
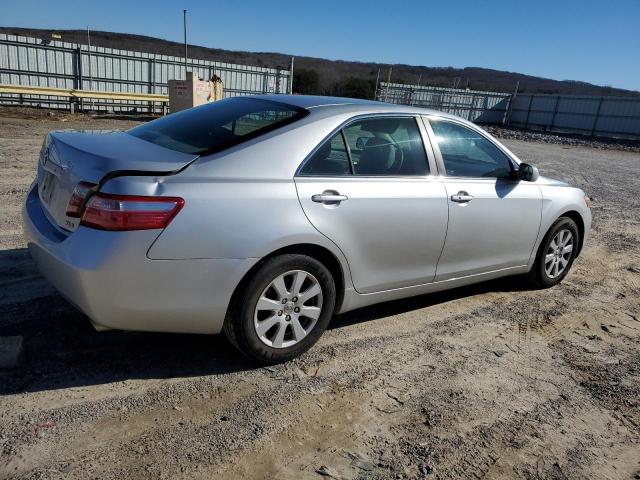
{"x": 528, "y": 172}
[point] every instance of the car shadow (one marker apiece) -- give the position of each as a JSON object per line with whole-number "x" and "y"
{"x": 62, "y": 350}
{"x": 397, "y": 307}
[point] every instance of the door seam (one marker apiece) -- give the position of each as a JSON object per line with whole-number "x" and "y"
{"x": 316, "y": 229}
{"x": 446, "y": 232}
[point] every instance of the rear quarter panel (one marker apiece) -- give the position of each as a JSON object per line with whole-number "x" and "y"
{"x": 239, "y": 204}
{"x": 236, "y": 219}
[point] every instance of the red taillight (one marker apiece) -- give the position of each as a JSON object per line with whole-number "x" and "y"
{"x": 78, "y": 197}
{"x": 127, "y": 212}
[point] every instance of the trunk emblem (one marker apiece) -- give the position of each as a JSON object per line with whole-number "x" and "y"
{"x": 45, "y": 156}
{"x": 51, "y": 161}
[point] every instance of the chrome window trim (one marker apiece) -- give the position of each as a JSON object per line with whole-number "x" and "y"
{"x": 429, "y": 154}
{"x": 513, "y": 161}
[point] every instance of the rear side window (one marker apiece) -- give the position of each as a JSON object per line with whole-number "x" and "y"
{"x": 329, "y": 159}
{"x": 386, "y": 146}
{"x": 466, "y": 153}
{"x": 219, "y": 125}
{"x": 383, "y": 146}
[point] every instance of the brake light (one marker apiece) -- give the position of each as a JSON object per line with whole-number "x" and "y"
{"x": 128, "y": 212}
{"x": 78, "y": 197}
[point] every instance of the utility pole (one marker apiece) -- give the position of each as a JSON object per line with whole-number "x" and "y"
{"x": 291, "y": 78}
{"x": 186, "y": 53}
{"x": 375, "y": 92}
{"x": 507, "y": 119}
{"x": 386, "y": 90}
{"x": 412, "y": 91}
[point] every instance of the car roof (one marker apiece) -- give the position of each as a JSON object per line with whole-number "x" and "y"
{"x": 342, "y": 104}
{"x": 314, "y": 101}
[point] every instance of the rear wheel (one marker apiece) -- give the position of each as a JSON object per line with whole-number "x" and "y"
{"x": 283, "y": 309}
{"x": 556, "y": 254}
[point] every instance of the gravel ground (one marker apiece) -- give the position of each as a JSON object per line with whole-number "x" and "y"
{"x": 564, "y": 139}
{"x": 493, "y": 381}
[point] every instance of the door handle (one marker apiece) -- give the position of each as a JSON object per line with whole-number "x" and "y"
{"x": 461, "y": 197}
{"x": 328, "y": 197}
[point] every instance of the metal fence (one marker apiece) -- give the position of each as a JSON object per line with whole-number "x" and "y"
{"x": 44, "y": 63}
{"x": 479, "y": 107}
{"x": 617, "y": 117}
{"x": 594, "y": 116}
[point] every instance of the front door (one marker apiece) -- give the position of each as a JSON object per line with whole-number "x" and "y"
{"x": 368, "y": 188}
{"x": 494, "y": 219}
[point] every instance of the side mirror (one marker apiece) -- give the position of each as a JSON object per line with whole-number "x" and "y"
{"x": 528, "y": 172}
{"x": 361, "y": 142}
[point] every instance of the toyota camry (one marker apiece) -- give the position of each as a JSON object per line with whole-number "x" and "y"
{"x": 263, "y": 217}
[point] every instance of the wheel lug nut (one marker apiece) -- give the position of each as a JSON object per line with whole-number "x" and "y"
{"x": 287, "y": 318}
{"x": 297, "y": 309}
{"x": 279, "y": 313}
{"x": 284, "y": 300}
{"x": 295, "y": 299}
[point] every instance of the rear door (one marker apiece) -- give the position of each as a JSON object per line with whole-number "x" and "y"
{"x": 369, "y": 189}
{"x": 493, "y": 217}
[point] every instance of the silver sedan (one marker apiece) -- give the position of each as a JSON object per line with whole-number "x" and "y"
{"x": 264, "y": 216}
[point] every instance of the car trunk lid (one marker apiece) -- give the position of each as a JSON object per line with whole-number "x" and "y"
{"x": 70, "y": 157}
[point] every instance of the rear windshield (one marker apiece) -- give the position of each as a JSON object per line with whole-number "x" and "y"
{"x": 219, "y": 125}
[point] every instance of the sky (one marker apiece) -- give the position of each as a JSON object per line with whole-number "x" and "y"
{"x": 592, "y": 41}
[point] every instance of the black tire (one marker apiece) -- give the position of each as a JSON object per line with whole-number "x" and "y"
{"x": 239, "y": 324}
{"x": 538, "y": 276}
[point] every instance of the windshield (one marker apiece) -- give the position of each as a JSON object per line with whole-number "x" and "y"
{"x": 219, "y": 125}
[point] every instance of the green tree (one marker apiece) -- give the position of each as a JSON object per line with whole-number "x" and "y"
{"x": 306, "y": 82}
{"x": 357, "y": 87}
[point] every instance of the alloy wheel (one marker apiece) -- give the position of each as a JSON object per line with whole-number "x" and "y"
{"x": 558, "y": 253}
{"x": 288, "y": 309}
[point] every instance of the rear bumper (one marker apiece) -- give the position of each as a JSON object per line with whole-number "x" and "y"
{"x": 108, "y": 276}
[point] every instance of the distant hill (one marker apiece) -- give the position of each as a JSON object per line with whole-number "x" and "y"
{"x": 337, "y": 77}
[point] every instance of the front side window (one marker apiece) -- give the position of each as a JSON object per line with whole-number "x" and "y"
{"x": 218, "y": 125}
{"x": 466, "y": 153}
{"x": 386, "y": 146}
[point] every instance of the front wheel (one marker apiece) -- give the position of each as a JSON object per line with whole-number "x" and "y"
{"x": 556, "y": 254}
{"x": 283, "y": 309}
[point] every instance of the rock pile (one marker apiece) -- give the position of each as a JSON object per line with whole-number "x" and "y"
{"x": 564, "y": 139}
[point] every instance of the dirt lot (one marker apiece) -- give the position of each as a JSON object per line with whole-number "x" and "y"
{"x": 494, "y": 381}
